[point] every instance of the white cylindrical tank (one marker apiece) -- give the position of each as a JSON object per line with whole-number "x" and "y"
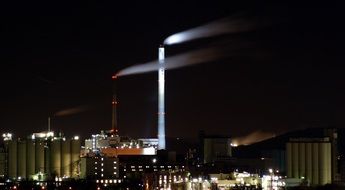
{"x": 66, "y": 158}
{"x": 55, "y": 157}
{"x": 21, "y": 159}
{"x": 75, "y": 157}
{"x": 30, "y": 158}
{"x": 12, "y": 159}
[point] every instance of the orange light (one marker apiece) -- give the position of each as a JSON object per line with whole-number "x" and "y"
{"x": 114, "y": 77}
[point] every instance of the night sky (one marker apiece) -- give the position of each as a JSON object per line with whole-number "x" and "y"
{"x": 285, "y": 75}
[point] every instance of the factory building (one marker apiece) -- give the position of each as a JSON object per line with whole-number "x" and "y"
{"x": 101, "y": 153}
{"x": 99, "y": 167}
{"x": 310, "y": 159}
{"x": 41, "y": 156}
{"x": 215, "y": 148}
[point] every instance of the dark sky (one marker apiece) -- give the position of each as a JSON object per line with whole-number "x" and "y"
{"x": 61, "y": 55}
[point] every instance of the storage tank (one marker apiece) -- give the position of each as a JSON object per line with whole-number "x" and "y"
{"x": 12, "y": 159}
{"x": 329, "y": 161}
{"x": 75, "y": 156}
{"x": 315, "y": 164}
{"x": 55, "y": 157}
{"x": 302, "y": 160}
{"x": 30, "y": 158}
{"x": 295, "y": 160}
{"x": 66, "y": 158}
{"x": 309, "y": 163}
{"x": 289, "y": 159}
{"x": 325, "y": 163}
{"x": 21, "y": 159}
{"x": 39, "y": 156}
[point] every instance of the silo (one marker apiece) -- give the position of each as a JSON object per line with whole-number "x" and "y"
{"x": 66, "y": 158}
{"x": 295, "y": 159}
{"x": 309, "y": 163}
{"x": 21, "y": 159}
{"x": 315, "y": 163}
{"x": 325, "y": 163}
{"x": 75, "y": 156}
{"x": 30, "y": 158}
{"x": 55, "y": 157}
{"x": 329, "y": 162}
{"x": 12, "y": 159}
{"x": 39, "y": 156}
{"x": 302, "y": 161}
{"x": 289, "y": 159}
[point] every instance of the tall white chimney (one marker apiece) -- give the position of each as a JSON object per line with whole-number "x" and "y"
{"x": 161, "y": 109}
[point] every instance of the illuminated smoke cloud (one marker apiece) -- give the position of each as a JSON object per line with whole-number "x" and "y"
{"x": 182, "y": 60}
{"x": 72, "y": 111}
{"x": 251, "y": 138}
{"x": 224, "y": 26}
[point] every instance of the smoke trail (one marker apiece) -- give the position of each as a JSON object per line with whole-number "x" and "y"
{"x": 72, "y": 111}
{"x": 251, "y": 138}
{"x": 182, "y": 60}
{"x": 223, "y": 26}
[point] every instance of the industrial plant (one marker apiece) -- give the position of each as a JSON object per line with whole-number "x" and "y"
{"x": 41, "y": 156}
{"x": 108, "y": 160}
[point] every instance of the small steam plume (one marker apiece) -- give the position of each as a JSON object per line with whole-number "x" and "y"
{"x": 72, "y": 111}
{"x": 227, "y": 25}
{"x": 253, "y": 137}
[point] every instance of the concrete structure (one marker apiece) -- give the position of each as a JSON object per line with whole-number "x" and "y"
{"x": 75, "y": 157}
{"x": 161, "y": 96}
{"x": 21, "y": 159}
{"x": 216, "y": 148}
{"x": 3, "y": 162}
{"x": 41, "y": 155}
{"x": 30, "y": 158}
{"x": 310, "y": 158}
{"x": 12, "y": 159}
{"x": 66, "y": 158}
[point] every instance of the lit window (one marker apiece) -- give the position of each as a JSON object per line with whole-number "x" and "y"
{"x": 102, "y": 159}
{"x": 102, "y": 169}
{"x": 114, "y": 168}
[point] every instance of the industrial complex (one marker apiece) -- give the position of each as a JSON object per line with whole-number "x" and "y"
{"x": 107, "y": 160}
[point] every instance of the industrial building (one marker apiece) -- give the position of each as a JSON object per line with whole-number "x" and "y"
{"x": 215, "y": 148}
{"x": 41, "y": 156}
{"x": 310, "y": 159}
{"x": 99, "y": 167}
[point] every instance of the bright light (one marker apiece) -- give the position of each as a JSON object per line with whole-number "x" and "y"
{"x": 154, "y": 160}
{"x": 233, "y": 144}
{"x": 76, "y": 138}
